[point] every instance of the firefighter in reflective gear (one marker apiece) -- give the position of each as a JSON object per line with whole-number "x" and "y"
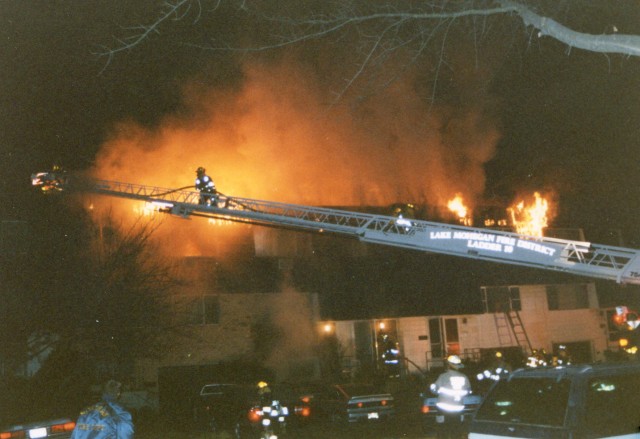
{"x": 538, "y": 358}
{"x": 264, "y": 392}
{"x": 106, "y": 419}
{"x": 497, "y": 370}
{"x": 562, "y": 357}
{"x": 451, "y": 387}
{"x": 390, "y": 355}
{"x": 206, "y": 186}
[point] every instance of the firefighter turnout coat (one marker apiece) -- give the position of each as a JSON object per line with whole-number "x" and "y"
{"x": 451, "y": 387}
{"x": 104, "y": 420}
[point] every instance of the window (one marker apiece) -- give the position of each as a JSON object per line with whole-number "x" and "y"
{"x": 501, "y": 299}
{"x": 453, "y": 339}
{"x": 437, "y": 349}
{"x": 613, "y": 407}
{"x": 535, "y": 401}
{"x": 211, "y": 306}
{"x": 569, "y": 296}
{"x": 197, "y": 310}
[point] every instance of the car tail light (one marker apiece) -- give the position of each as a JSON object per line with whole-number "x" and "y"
{"x": 254, "y": 415}
{"x": 61, "y": 428}
{"x": 12, "y": 434}
{"x": 425, "y": 409}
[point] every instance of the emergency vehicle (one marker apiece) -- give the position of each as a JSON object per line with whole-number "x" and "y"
{"x": 583, "y": 258}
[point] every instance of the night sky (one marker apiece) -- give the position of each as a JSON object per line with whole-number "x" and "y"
{"x": 517, "y": 115}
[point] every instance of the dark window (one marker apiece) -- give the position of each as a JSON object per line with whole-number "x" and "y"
{"x": 197, "y": 310}
{"x": 501, "y": 299}
{"x": 570, "y": 296}
{"x": 539, "y": 401}
{"x": 188, "y": 310}
{"x": 437, "y": 349}
{"x": 613, "y": 406}
{"x": 211, "y": 309}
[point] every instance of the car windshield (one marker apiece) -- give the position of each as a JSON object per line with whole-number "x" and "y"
{"x": 613, "y": 407}
{"x": 526, "y": 400}
{"x": 361, "y": 389}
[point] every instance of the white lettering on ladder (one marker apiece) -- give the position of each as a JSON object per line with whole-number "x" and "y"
{"x": 491, "y": 242}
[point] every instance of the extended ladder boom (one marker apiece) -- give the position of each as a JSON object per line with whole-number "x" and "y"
{"x": 576, "y": 257}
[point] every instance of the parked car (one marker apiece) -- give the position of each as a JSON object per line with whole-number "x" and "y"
{"x": 431, "y": 415}
{"x": 581, "y": 401}
{"x": 54, "y": 428}
{"x": 346, "y": 403}
{"x": 220, "y": 404}
{"x": 240, "y": 410}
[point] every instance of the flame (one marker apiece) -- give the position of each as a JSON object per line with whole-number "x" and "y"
{"x": 530, "y": 219}
{"x": 275, "y": 140}
{"x": 456, "y": 205}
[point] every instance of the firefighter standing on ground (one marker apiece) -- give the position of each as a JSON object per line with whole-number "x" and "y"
{"x": 451, "y": 387}
{"x": 207, "y": 188}
{"x": 497, "y": 370}
{"x": 106, "y": 419}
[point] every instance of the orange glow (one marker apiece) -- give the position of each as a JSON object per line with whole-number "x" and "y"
{"x": 530, "y": 218}
{"x": 425, "y": 409}
{"x": 457, "y": 206}
{"x": 619, "y": 319}
{"x": 274, "y": 139}
{"x": 59, "y": 428}
{"x": 254, "y": 415}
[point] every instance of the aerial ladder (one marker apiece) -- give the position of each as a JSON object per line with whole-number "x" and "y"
{"x": 618, "y": 264}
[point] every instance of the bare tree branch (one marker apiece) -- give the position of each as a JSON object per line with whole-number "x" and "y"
{"x": 178, "y": 10}
{"x": 612, "y": 43}
{"x": 321, "y": 25}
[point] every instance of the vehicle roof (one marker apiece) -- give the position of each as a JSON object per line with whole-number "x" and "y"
{"x": 577, "y": 369}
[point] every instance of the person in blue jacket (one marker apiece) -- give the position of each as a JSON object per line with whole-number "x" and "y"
{"x": 106, "y": 419}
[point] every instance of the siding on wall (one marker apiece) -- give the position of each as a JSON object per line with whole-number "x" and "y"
{"x": 231, "y": 337}
{"x": 543, "y": 327}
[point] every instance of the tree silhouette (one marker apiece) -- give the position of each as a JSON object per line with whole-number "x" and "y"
{"x": 377, "y": 30}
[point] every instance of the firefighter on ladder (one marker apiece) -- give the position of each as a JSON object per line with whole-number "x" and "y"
{"x": 207, "y": 188}
{"x": 451, "y": 387}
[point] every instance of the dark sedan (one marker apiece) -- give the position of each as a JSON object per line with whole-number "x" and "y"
{"x": 348, "y": 403}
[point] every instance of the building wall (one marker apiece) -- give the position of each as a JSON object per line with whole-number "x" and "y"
{"x": 477, "y": 332}
{"x": 291, "y": 314}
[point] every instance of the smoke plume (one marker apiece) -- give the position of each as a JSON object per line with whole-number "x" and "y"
{"x": 276, "y": 138}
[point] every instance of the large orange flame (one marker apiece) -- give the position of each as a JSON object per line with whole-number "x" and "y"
{"x": 530, "y": 219}
{"x": 457, "y": 206}
{"x": 275, "y": 139}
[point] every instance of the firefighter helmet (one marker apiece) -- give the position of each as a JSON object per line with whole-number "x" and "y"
{"x": 454, "y": 362}
{"x": 262, "y": 384}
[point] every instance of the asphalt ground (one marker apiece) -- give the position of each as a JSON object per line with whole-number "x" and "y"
{"x": 407, "y": 426}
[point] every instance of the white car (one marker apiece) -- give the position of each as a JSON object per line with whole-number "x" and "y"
{"x": 55, "y": 428}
